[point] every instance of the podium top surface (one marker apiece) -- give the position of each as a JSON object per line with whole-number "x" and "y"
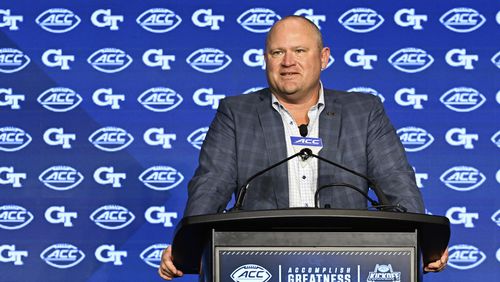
{"x": 192, "y": 233}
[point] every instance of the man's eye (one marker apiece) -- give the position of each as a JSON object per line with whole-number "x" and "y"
{"x": 300, "y": 50}
{"x": 277, "y": 53}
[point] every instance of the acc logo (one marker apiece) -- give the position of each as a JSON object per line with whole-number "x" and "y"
{"x": 161, "y": 178}
{"x": 13, "y": 139}
{"x": 12, "y": 60}
{"x": 462, "y": 20}
{"x": 109, "y": 60}
{"x": 61, "y": 178}
{"x": 309, "y": 14}
{"x": 208, "y": 60}
{"x": 414, "y": 138}
{"x": 9, "y": 177}
{"x": 459, "y": 215}
{"x": 8, "y": 253}
{"x": 14, "y": 217}
{"x": 157, "y": 137}
{"x": 258, "y": 20}
{"x": 465, "y": 257}
{"x": 408, "y": 97}
{"x": 107, "y": 253}
{"x": 206, "y": 97}
{"x": 62, "y": 255}
{"x": 462, "y": 99}
{"x": 158, "y": 20}
{"x": 496, "y": 59}
{"x": 360, "y": 59}
{"x": 152, "y": 254}
{"x": 112, "y": 217}
{"x": 59, "y": 99}
{"x": 207, "y": 19}
{"x": 459, "y": 58}
{"x": 103, "y": 18}
{"x": 411, "y": 60}
{"x": 58, "y": 214}
{"x": 407, "y": 17}
{"x": 197, "y": 137}
{"x": 104, "y": 97}
{"x": 111, "y": 139}
{"x": 11, "y": 100}
{"x": 361, "y": 20}
{"x": 156, "y": 215}
{"x": 251, "y": 272}
{"x": 155, "y": 58}
{"x": 496, "y": 216}
{"x": 254, "y": 58}
{"x": 462, "y": 178}
{"x": 495, "y": 139}
{"x": 9, "y": 20}
{"x": 459, "y": 137}
{"x": 58, "y": 20}
{"x": 362, "y": 89}
{"x": 160, "y": 99}
{"x": 107, "y": 175}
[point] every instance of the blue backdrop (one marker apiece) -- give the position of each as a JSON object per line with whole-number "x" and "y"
{"x": 104, "y": 106}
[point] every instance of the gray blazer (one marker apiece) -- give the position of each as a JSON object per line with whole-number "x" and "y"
{"x": 247, "y": 136}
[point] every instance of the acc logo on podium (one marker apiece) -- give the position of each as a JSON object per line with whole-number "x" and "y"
{"x": 161, "y": 178}
{"x": 414, "y": 139}
{"x": 13, "y": 139}
{"x": 112, "y": 217}
{"x": 208, "y": 60}
{"x": 12, "y": 60}
{"x": 258, "y": 20}
{"x": 251, "y": 272}
{"x": 58, "y": 20}
{"x": 465, "y": 257}
{"x": 160, "y": 99}
{"x": 462, "y": 99}
{"x": 152, "y": 254}
{"x": 462, "y": 178}
{"x": 361, "y": 20}
{"x": 111, "y": 139}
{"x": 159, "y": 20}
{"x": 61, "y": 177}
{"x": 14, "y": 217}
{"x": 62, "y": 255}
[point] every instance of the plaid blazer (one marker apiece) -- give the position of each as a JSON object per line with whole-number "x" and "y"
{"x": 247, "y": 135}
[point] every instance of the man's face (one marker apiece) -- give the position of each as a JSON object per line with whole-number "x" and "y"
{"x": 294, "y": 59}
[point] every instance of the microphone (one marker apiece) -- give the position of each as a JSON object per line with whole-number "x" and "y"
{"x": 243, "y": 190}
{"x": 303, "y": 130}
{"x": 384, "y": 202}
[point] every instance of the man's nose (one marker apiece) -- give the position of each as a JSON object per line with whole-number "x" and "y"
{"x": 288, "y": 59}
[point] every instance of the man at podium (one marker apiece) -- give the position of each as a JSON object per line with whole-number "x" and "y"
{"x": 253, "y": 131}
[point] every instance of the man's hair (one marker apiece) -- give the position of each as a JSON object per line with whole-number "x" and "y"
{"x": 306, "y": 21}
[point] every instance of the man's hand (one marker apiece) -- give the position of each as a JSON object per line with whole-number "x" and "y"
{"x": 167, "y": 268}
{"x": 438, "y": 265}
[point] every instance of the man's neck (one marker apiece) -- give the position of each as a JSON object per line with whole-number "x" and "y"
{"x": 299, "y": 108}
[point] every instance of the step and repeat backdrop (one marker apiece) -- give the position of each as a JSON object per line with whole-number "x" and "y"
{"x": 104, "y": 106}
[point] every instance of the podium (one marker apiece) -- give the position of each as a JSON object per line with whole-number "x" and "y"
{"x": 309, "y": 245}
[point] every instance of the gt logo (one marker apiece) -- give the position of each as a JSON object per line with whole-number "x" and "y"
{"x": 459, "y": 58}
{"x": 55, "y": 58}
{"x": 407, "y": 17}
{"x": 56, "y": 136}
{"x": 8, "y": 253}
{"x": 156, "y": 215}
{"x": 357, "y": 58}
{"x": 58, "y": 214}
{"x": 9, "y": 177}
{"x": 206, "y": 97}
{"x": 157, "y": 136}
{"x": 204, "y": 18}
{"x": 103, "y": 18}
{"x": 9, "y": 20}
{"x": 408, "y": 97}
{"x": 155, "y": 58}
{"x": 105, "y": 97}
{"x": 106, "y": 175}
{"x": 10, "y": 99}
{"x": 459, "y": 137}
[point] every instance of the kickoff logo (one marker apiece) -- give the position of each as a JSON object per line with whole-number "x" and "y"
{"x": 108, "y": 253}
{"x": 12, "y": 60}
{"x": 408, "y": 97}
{"x": 361, "y": 20}
{"x": 197, "y": 137}
{"x": 459, "y": 215}
{"x": 58, "y": 214}
{"x": 158, "y": 215}
{"x": 258, "y": 20}
{"x": 254, "y": 58}
{"x": 367, "y": 90}
{"x": 414, "y": 139}
{"x": 206, "y": 97}
{"x": 109, "y": 60}
{"x": 58, "y": 20}
{"x": 157, "y": 137}
{"x": 112, "y": 217}
{"x": 204, "y": 18}
{"x": 251, "y": 272}
{"x": 462, "y": 99}
{"x": 8, "y": 20}
{"x": 155, "y": 58}
{"x": 57, "y": 137}
{"x": 495, "y": 139}
{"x": 13, "y": 139}
{"x": 462, "y": 20}
{"x": 459, "y": 137}
{"x": 104, "y": 97}
{"x": 460, "y": 58}
{"x": 357, "y": 58}
{"x": 152, "y": 254}
{"x": 8, "y": 99}
{"x": 407, "y": 18}
{"x": 160, "y": 99}
{"x": 61, "y": 178}
{"x": 62, "y": 255}
{"x": 309, "y": 14}
{"x": 159, "y": 20}
{"x": 9, "y": 177}
{"x": 104, "y": 18}
{"x": 8, "y": 253}
{"x": 465, "y": 257}
{"x": 496, "y": 61}
{"x": 59, "y": 99}
{"x": 208, "y": 60}
{"x": 107, "y": 175}
{"x": 111, "y": 139}
{"x": 411, "y": 60}
{"x": 462, "y": 178}
{"x": 161, "y": 178}
{"x": 14, "y": 217}
{"x": 54, "y": 58}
